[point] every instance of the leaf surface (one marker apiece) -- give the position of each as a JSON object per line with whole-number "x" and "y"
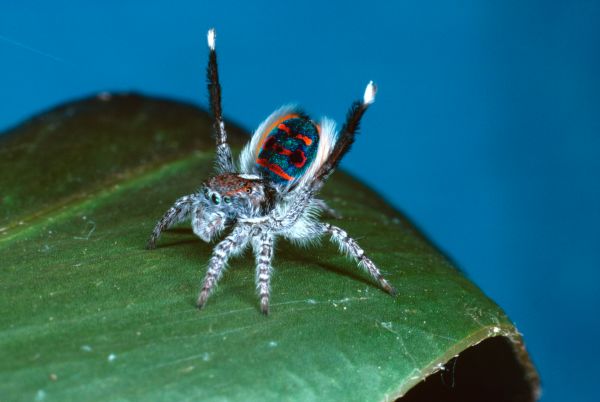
{"x": 87, "y": 313}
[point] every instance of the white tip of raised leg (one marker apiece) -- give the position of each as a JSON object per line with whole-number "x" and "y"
{"x": 370, "y": 93}
{"x": 211, "y": 36}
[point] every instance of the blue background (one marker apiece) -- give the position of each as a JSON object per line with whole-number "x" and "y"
{"x": 486, "y": 129}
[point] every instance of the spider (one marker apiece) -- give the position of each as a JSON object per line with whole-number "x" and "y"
{"x": 281, "y": 170}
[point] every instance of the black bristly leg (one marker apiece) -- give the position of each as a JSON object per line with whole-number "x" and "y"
{"x": 346, "y": 137}
{"x": 224, "y": 161}
{"x": 351, "y": 247}
{"x": 230, "y": 246}
{"x": 263, "y": 251}
{"x": 180, "y": 211}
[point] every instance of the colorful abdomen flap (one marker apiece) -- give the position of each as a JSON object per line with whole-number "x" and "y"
{"x": 288, "y": 149}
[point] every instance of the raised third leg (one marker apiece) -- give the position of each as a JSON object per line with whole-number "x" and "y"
{"x": 224, "y": 160}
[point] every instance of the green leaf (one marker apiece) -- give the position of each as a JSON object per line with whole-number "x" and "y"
{"x": 88, "y": 314}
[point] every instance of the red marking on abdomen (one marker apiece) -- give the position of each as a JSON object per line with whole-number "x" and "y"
{"x": 273, "y": 145}
{"x": 298, "y": 158}
{"x": 288, "y": 131}
{"x": 304, "y": 138}
{"x": 285, "y": 128}
{"x": 274, "y": 168}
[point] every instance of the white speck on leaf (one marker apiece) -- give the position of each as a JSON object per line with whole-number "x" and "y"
{"x": 90, "y": 226}
{"x": 45, "y": 248}
{"x": 86, "y": 348}
{"x": 187, "y": 369}
{"x": 112, "y": 357}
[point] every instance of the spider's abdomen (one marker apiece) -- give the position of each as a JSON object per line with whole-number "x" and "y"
{"x": 288, "y": 149}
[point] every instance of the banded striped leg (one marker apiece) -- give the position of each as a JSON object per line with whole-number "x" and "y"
{"x": 180, "y": 211}
{"x": 351, "y": 247}
{"x": 224, "y": 160}
{"x": 230, "y": 246}
{"x": 263, "y": 251}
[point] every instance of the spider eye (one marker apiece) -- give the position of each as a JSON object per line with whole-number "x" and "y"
{"x": 206, "y": 192}
{"x": 248, "y": 190}
{"x": 227, "y": 200}
{"x": 215, "y": 199}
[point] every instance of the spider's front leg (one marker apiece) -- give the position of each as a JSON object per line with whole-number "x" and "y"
{"x": 350, "y": 246}
{"x": 230, "y": 246}
{"x": 180, "y": 211}
{"x": 263, "y": 251}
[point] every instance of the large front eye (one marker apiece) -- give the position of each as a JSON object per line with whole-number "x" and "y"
{"x": 227, "y": 200}
{"x": 215, "y": 199}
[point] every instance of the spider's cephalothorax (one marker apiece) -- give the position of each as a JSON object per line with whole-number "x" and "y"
{"x": 226, "y": 198}
{"x": 272, "y": 192}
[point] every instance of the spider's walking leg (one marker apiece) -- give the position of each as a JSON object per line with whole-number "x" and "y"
{"x": 231, "y": 245}
{"x": 180, "y": 211}
{"x": 350, "y": 246}
{"x": 263, "y": 250}
{"x": 224, "y": 160}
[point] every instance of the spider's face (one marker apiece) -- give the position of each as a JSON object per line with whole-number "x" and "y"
{"x": 227, "y": 197}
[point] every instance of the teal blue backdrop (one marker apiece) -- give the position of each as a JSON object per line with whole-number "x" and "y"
{"x": 486, "y": 129}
